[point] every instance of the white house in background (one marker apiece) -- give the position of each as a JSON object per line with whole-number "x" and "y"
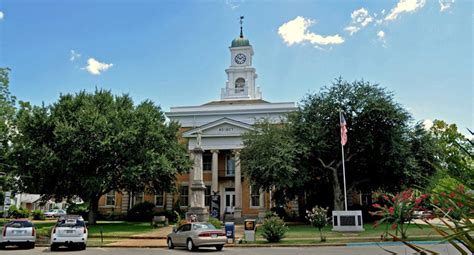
{"x": 33, "y": 202}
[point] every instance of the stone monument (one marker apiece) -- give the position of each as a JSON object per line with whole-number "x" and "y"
{"x": 197, "y": 208}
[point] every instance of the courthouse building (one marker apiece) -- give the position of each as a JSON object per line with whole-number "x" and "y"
{"x": 217, "y": 128}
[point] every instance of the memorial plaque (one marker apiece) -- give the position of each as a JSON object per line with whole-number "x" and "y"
{"x": 347, "y": 220}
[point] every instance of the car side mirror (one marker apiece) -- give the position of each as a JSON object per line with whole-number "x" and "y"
{"x": 175, "y": 230}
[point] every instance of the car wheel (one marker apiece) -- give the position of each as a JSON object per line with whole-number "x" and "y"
{"x": 170, "y": 244}
{"x": 219, "y": 247}
{"x": 83, "y": 247}
{"x": 31, "y": 246}
{"x": 2, "y": 246}
{"x": 54, "y": 247}
{"x": 190, "y": 245}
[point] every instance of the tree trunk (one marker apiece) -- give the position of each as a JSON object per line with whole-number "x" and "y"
{"x": 338, "y": 196}
{"x": 93, "y": 210}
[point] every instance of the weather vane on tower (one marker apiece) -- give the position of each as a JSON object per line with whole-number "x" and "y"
{"x": 241, "y": 22}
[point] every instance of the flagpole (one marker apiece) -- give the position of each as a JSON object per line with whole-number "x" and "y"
{"x": 343, "y": 167}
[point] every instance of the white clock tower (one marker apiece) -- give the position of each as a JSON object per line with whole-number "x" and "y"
{"x": 241, "y": 75}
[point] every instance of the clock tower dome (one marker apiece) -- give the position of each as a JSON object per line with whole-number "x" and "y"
{"x": 241, "y": 75}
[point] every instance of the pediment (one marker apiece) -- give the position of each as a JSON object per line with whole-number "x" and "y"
{"x": 219, "y": 128}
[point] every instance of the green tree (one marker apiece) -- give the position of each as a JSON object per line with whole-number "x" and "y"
{"x": 86, "y": 145}
{"x": 455, "y": 152}
{"x": 7, "y": 112}
{"x": 379, "y": 151}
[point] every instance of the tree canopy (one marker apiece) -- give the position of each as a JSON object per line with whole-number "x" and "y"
{"x": 7, "y": 113}
{"x": 379, "y": 152}
{"x": 88, "y": 144}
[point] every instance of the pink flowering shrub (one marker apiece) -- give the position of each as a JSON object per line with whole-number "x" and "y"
{"x": 398, "y": 210}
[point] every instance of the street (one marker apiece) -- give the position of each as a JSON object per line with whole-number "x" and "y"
{"x": 442, "y": 249}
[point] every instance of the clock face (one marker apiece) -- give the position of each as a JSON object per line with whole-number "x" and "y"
{"x": 240, "y": 58}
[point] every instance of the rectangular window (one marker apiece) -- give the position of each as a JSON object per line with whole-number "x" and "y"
{"x": 207, "y": 197}
{"x": 206, "y": 161}
{"x": 254, "y": 198}
{"x": 184, "y": 196}
{"x": 230, "y": 166}
{"x": 159, "y": 199}
{"x": 110, "y": 198}
{"x": 138, "y": 198}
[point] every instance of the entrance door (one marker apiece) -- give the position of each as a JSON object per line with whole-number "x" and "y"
{"x": 229, "y": 201}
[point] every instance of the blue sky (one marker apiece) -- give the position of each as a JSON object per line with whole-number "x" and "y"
{"x": 175, "y": 52}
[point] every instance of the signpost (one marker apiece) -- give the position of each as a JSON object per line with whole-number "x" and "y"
{"x": 6, "y": 203}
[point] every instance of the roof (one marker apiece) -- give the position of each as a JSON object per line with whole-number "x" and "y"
{"x": 237, "y": 102}
{"x": 240, "y": 42}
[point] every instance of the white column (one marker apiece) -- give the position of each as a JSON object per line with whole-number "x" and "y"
{"x": 215, "y": 173}
{"x": 238, "y": 186}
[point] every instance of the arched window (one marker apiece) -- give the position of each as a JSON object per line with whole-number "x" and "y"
{"x": 239, "y": 85}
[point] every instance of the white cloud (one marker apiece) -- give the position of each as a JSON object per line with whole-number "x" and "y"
{"x": 405, "y": 6}
{"x": 233, "y": 4}
{"x": 427, "y": 124}
{"x": 95, "y": 67}
{"x": 352, "y": 29}
{"x": 359, "y": 18}
{"x": 445, "y": 4}
{"x": 381, "y": 36}
{"x": 1, "y": 15}
{"x": 296, "y": 31}
{"x": 74, "y": 55}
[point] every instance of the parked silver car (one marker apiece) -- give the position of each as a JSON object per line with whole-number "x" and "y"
{"x": 197, "y": 234}
{"x": 55, "y": 213}
{"x": 20, "y": 232}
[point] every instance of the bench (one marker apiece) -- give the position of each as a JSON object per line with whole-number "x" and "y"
{"x": 159, "y": 220}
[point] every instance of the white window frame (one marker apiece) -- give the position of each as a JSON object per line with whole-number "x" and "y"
{"x": 138, "y": 194}
{"x": 181, "y": 195}
{"x": 162, "y": 198}
{"x": 259, "y": 199}
{"x": 107, "y": 195}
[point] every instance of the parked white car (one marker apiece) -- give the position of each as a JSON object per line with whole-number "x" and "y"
{"x": 20, "y": 232}
{"x": 70, "y": 230}
{"x": 55, "y": 213}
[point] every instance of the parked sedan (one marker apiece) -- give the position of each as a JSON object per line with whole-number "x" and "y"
{"x": 197, "y": 234}
{"x": 55, "y": 213}
{"x": 20, "y": 232}
{"x": 70, "y": 230}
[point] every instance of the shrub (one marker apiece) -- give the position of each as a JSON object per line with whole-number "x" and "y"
{"x": 38, "y": 215}
{"x": 16, "y": 213}
{"x": 216, "y": 222}
{"x": 398, "y": 210}
{"x": 270, "y": 214}
{"x": 318, "y": 217}
{"x": 179, "y": 220}
{"x": 141, "y": 212}
{"x": 274, "y": 229}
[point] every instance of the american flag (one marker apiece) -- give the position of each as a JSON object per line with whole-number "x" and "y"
{"x": 343, "y": 129}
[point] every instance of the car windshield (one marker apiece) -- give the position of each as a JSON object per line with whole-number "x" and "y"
{"x": 19, "y": 224}
{"x": 203, "y": 226}
{"x": 70, "y": 223}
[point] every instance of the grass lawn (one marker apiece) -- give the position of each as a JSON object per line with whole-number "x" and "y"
{"x": 305, "y": 232}
{"x": 109, "y": 228}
